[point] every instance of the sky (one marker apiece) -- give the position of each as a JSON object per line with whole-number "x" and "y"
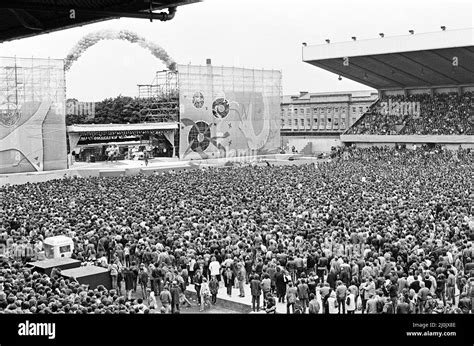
{"x": 257, "y": 34}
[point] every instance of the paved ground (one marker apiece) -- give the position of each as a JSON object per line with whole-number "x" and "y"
{"x": 193, "y": 309}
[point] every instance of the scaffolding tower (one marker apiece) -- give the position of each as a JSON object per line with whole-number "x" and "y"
{"x": 160, "y": 99}
{"x": 24, "y": 80}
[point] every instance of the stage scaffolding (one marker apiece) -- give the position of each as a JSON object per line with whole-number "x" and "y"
{"x": 32, "y": 120}
{"x": 25, "y": 80}
{"x": 160, "y": 99}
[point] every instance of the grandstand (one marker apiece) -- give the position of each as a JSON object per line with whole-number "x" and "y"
{"x": 425, "y": 88}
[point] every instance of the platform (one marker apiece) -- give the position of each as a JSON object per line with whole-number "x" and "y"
{"x": 90, "y": 275}
{"x": 46, "y": 266}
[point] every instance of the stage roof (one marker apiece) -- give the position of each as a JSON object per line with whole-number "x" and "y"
{"x": 24, "y": 18}
{"x": 104, "y": 128}
{"x": 399, "y": 62}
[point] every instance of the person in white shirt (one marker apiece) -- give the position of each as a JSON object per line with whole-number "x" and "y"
{"x": 350, "y": 303}
{"x": 332, "y": 303}
{"x": 103, "y": 262}
{"x": 215, "y": 268}
{"x": 192, "y": 267}
{"x": 152, "y": 299}
{"x": 205, "y": 295}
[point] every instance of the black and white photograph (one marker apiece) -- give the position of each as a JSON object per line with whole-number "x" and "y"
{"x": 194, "y": 172}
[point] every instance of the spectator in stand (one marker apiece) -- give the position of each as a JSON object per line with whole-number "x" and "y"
{"x": 421, "y": 114}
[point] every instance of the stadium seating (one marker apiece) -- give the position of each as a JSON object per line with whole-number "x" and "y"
{"x": 439, "y": 114}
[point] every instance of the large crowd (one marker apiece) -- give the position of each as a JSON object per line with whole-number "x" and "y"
{"x": 437, "y": 114}
{"x": 373, "y": 230}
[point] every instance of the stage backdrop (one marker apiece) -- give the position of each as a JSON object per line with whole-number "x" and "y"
{"x": 228, "y": 112}
{"x": 32, "y": 115}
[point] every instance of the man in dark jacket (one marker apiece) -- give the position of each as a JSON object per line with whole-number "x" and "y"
{"x": 197, "y": 285}
{"x": 135, "y": 270}
{"x": 341, "y": 294}
{"x": 393, "y": 294}
{"x": 248, "y": 269}
{"x": 143, "y": 279}
{"x": 322, "y": 267}
{"x": 331, "y": 279}
{"x": 271, "y": 304}
{"x": 129, "y": 278}
{"x": 255, "y": 291}
{"x": 155, "y": 281}
{"x": 228, "y": 280}
{"x": 214, "y": 288}
{"x": 346, "y": 277}
{"x": 280, "y": 285}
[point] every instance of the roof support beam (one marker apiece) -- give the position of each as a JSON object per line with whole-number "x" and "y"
{"x": 429, "y": 68}
{"x": 448, "y": 60}
{"x": 397, "y": 69}
{"x": 376, "y": 74}
{"x": 27, "y": 20}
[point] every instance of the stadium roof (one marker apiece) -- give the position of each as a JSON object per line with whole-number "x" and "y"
{"x": 24, "y": 18}
{"x": 399, "y": 62}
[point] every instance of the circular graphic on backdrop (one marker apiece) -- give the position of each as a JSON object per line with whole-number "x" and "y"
{"x": 220, "y": 107}
{"x": 198, "y": 99}
{"x": 9, "y": 114}
{"x": 199, "y": 136}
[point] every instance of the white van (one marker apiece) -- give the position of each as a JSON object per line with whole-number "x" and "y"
{"x": 58, "y": 246}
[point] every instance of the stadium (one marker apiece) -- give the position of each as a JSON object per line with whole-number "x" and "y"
{"x": 184, "y": 200}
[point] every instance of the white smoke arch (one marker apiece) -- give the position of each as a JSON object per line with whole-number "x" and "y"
{"x": 125, "y": 35}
